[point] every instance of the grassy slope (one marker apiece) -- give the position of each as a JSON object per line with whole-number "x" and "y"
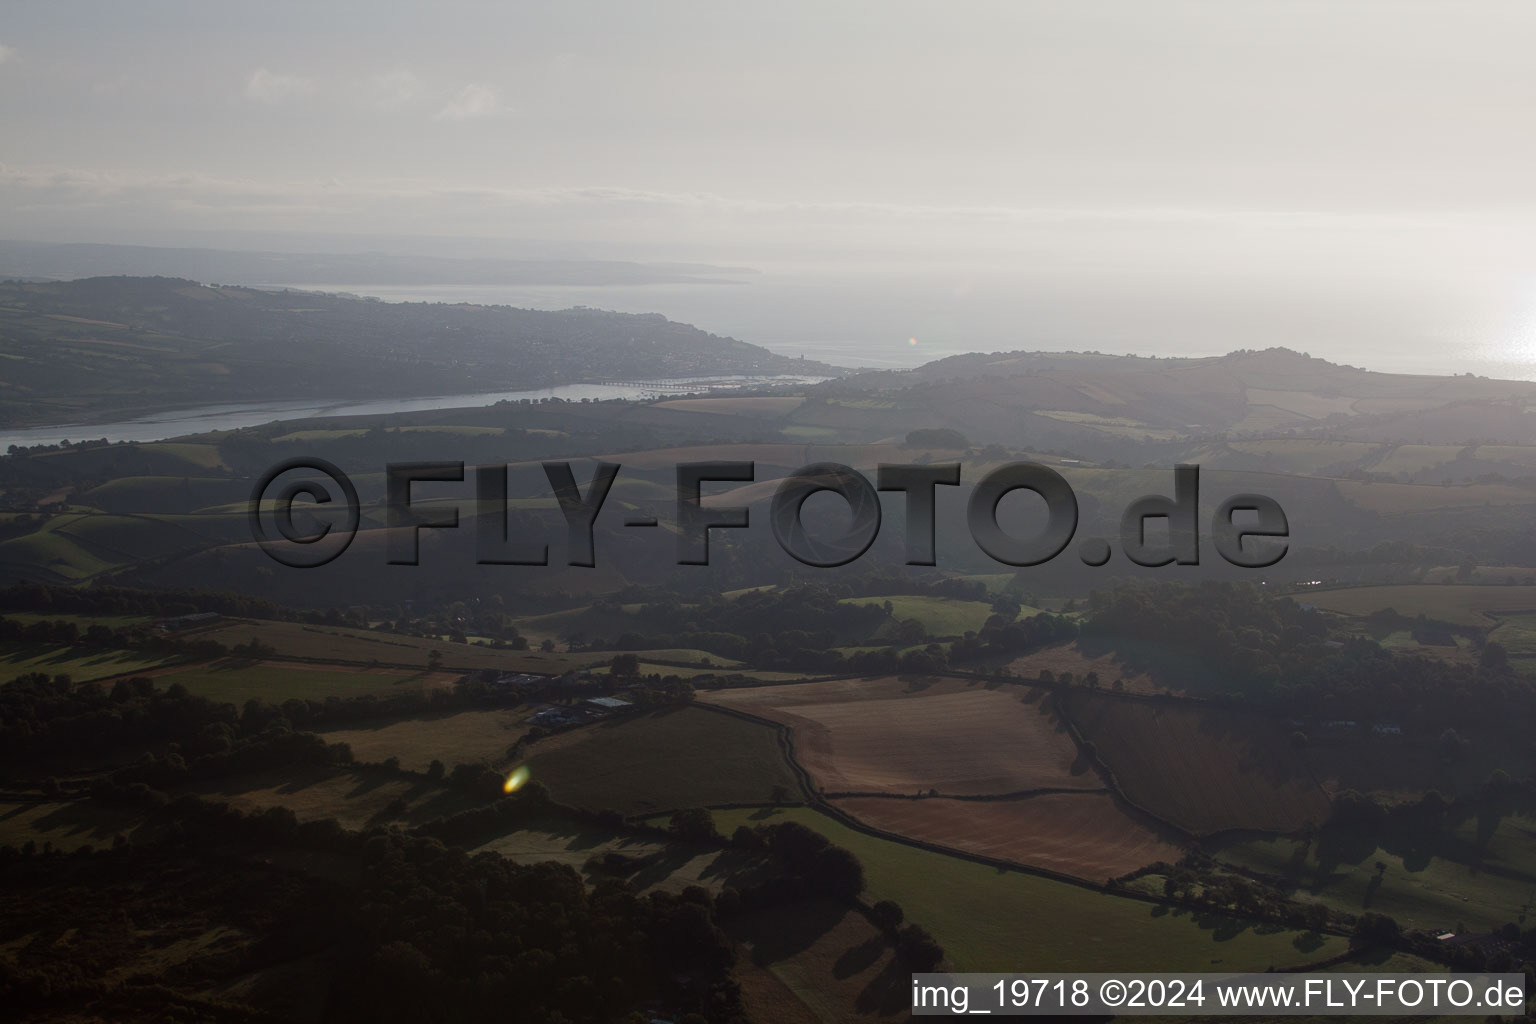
{"x": 1430, "y": 882}
{"x": 991, "y": 920}
{"x": 459, "y": 738}
{"x": 238, "y": 682}
{"x": 661, "y": 761}
{"x": 77, "y": 663}
{"x": 940, "y": 616}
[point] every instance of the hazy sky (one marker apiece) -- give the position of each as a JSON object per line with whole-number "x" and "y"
{"x": 494, "y": 118}
{"x": 1386, "y": 141}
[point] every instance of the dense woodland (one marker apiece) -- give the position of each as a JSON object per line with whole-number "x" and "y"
{"x": 215, "y": 344}
{"x": 425, "y": 930}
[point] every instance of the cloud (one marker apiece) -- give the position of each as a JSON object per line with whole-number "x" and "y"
{"x": 265, "y": 87}
{"x": 471, "y": 102}
{"x": 6, "y": 53}
{"x": 395, "y": 89}
{"x": 48, "y": 183}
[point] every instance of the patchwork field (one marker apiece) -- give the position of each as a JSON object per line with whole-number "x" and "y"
{"x": 770, "y": 407}
{"x": 940, "y": 616}
{"x": 665, "y": 760}
{"x": 1424, "y": 880}
{"x": 462, "y": 738}
{"x": 1082, "y": 834}
{"x": 235, "y": 682}
{"x": 1392, "y": 499}
{"x": 991, "y": 920}
{"x": 893, "y": 736}
{"x": 1205, "y": 771}
{"x": 1292, "y": 455}
{"x": 338, "y": 643}
{"x": 1461, "y": 604}
{"x": 1414, "y": 458}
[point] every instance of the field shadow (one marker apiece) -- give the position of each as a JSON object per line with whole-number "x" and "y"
{"x": 887, "y": 993}
{"x": 365, "y": 784}
{"x": 439, "y": 804}
{"x": 78, "y": 819}
{"x": 780, "y": 932}
{"x": 740, "y": 867}
{"x": 1221, "y": 927}
{"x": 917, "y": 684}
{"x": 1309, "y": 942}
{"x": 582, "y": 836}
{"x": 1082, "y": 764}
{"x": 860, "y": 958}
{"x": 280, "y": 780}
{"x": 659, "y": 866}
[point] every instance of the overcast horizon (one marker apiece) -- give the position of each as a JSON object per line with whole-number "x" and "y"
{"x": 1353, "y": 181}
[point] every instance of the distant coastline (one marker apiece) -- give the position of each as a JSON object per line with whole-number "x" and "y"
{"x": 166, "y": 423}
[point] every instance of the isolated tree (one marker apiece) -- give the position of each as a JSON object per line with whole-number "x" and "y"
{"x": 694, "y": 824}
{"x": 837, "y": 872}
{"x": 1375, "y": 929}
{"x": 917, "y": 950}
{"x": 887, "y": 915}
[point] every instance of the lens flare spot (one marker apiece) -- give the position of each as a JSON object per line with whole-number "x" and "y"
{"x": 516, "y": 780}
{"x": 911, "y": 341}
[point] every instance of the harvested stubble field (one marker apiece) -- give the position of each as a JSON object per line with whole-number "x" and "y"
{"x": 810, "y": 962}
{"x": 1206, "y": 771}
{"x": 1072, "y": 658}
{"x": 1081, "y": 834}
{"x": 464, "y": 737}
{"x": 959, "y": 738}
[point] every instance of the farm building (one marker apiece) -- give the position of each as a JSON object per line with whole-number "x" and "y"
{"x": 555, "y": 716}
{"x": 609, "y": 703}
{"x": 520, "y": 682}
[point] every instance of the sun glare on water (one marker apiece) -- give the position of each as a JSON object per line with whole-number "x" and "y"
{"x": 516, "y": 780}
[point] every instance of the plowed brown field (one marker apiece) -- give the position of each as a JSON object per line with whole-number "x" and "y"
{"x": 892, "y": 736}
{"x": 1082, "y": 834}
